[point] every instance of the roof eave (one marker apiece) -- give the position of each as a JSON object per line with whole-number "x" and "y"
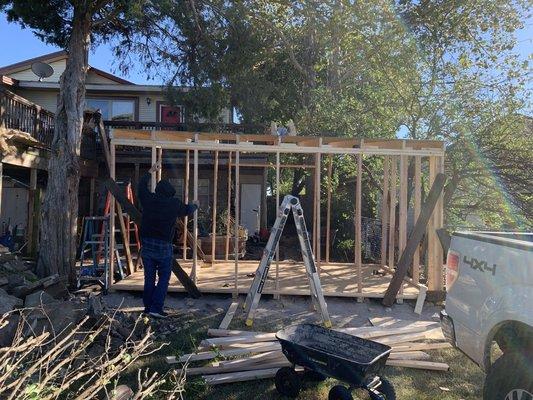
{"x": 22, "y": 65}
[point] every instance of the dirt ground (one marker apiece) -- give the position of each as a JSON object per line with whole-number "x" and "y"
{"x": 463, "y": 381}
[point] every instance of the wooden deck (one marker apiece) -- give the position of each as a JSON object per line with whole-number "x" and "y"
{"x": 337, "y": 279}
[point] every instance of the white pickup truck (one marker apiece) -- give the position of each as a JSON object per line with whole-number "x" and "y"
{"x": 489, "y": 301}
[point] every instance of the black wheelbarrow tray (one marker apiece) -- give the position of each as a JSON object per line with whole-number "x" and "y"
{"x": 328, "y": 353}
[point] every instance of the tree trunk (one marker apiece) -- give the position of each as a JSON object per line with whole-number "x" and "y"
{"x": 60, "y": 210}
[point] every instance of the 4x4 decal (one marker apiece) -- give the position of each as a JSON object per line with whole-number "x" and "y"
{"x": 480, "y": 264}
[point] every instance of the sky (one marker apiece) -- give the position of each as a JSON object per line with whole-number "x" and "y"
{"x": 21, "y": 44}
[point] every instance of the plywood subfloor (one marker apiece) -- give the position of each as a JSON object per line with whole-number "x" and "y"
{"x": 337, "y": 279}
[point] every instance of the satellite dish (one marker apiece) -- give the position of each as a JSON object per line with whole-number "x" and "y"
{"x": 42, "y": 70}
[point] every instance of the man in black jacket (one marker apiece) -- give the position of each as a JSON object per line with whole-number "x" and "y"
{"x": 159, "y": 213}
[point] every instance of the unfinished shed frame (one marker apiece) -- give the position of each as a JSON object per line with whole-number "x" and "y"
{"x": 396, "y": 155}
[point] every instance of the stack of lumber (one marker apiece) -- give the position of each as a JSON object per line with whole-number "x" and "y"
{"x": 257, "y": 355}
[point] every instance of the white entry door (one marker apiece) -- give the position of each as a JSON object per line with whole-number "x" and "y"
{"x": 250, "y": 201}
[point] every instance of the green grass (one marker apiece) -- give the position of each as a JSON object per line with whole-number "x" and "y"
{"x": 464, "y": 380}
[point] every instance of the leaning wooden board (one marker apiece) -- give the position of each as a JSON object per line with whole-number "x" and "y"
{"x": 136, "y": 216}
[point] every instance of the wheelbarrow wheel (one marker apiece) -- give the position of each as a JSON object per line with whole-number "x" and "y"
{"x": 339, "y": 392}
{"x": 288, "y": 382}
{"x": 386, "y": 391}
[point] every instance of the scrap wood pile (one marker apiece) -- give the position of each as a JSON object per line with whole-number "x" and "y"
{"x": 257, "y": 355}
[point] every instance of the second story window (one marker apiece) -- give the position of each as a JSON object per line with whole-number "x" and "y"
{"x": 112, "y": 109}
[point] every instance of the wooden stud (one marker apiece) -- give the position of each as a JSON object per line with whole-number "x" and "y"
{"x": 214, "y": 217}
{"x": 277, "y": 210}
{"x": 186, "y": 201}
{"x": 255, "y": 359}
{"x": 417, "y": 203}
{"x": 195, "y": 216}
{"x": 402, "y": 215}
{"x": 328, "y": 211}
{"x": 214, "y": 332}
{"x": 255, "y": 338}
{"x": 237, "y": 210}
{"x": 229, "y": 315}
{"x": 236, "y": 368}
{"x": 358, "y": 241}
{"x": 385, "y": 210}
{"x": 318, "y": 213}
{"x": 402, "y": 222}
{"x": 264, "y": 165}
{"x": 410, "y": 355}
{"x": 313, "y": 244}
{"x": 435, "y": 279}
{"x": 439, "y": 222}
{"x": 209, "y": 355}
{"x": 421, "y": 346}
{"x": 392, "y": 210}
{"x": 427, "y": 365}
{"x": 420, "y": 300}
{"x": 243, "y": 376}
{"x": 111, "y": 219}
{"x": 228, "y": 213}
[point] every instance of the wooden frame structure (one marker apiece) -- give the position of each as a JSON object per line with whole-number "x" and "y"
{"x": 396, "y": 155}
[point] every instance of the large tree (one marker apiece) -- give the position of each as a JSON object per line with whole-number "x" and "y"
{"x": 424, "y": 69}
{"x": 73, "y": 25}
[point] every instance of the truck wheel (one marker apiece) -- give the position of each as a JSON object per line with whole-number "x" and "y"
{"x": 288, "y": 382}
{"x": 339, "y": 392}
{"x": 508, "y": 379}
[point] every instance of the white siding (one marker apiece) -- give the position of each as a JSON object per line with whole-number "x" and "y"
{"x": 44, "y": 98}
{"x": 28, "y": 75}
{"x": 147, "y": 112}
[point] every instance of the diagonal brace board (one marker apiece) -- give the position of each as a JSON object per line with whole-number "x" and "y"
{"x": 252, "y": 299}
{"x": 414, "y": 239}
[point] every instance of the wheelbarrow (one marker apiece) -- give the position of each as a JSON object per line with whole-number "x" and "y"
{"x": 326, "y": 353}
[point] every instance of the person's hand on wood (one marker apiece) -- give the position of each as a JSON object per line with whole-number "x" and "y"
{"x": 155, "y": 167}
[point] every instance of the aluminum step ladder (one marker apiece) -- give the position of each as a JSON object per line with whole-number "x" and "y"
{"x": 256, "y": 289}
{"x": 94, "y": 245}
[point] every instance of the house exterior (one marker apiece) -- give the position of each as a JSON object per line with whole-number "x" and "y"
{"x": 117, "y": 98}
{"x": 28, "y": 104}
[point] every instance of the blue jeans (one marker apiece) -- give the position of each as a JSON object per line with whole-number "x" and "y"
{"x": 157, "y": 258}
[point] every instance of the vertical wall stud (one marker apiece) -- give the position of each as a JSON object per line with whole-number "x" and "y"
{"x": 392, "y": 210}
{"x": 195, "y": 217}
{"x": 385, "y": 210}
{"x": 358, "y": 241}
{"x": 277, "y": 210}
{"x": 237, "y": 211}
{"x": 317, "y": 212}
{"x": 328, "y": 211}
{"x": 228, "y": 213}
{"x": 214, "y": 217}
{"x": 417, "y": 203}
{"x": 186, "y": 201}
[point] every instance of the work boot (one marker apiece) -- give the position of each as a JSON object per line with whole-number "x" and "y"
{"x": 158, "y": 314}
